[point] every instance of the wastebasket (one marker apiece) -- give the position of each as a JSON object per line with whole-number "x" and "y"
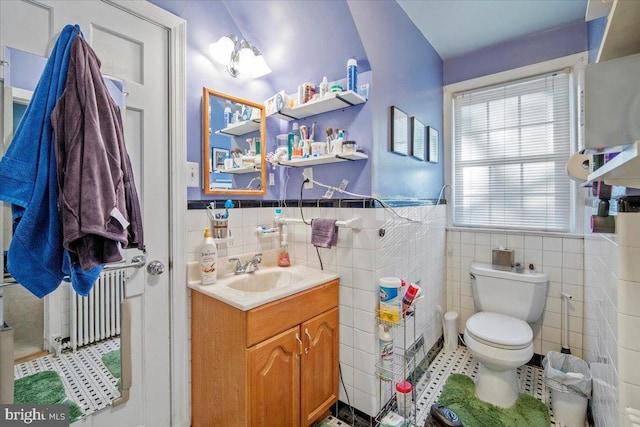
{"x": 569, "y": 379}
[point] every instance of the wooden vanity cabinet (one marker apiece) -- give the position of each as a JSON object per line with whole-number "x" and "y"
{"x": 275, "y": 365}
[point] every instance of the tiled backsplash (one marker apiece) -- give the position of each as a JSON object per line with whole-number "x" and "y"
{"x": 560, "y": 257}
{"x": 411, "y": 250}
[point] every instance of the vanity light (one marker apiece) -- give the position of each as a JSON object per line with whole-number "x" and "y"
{"x": 240, "y": 58}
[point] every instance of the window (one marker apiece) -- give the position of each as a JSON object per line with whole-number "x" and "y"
{"x": 511, "y": 143}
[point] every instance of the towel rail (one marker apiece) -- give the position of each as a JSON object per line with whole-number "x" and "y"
{"x": 354, "y": 223}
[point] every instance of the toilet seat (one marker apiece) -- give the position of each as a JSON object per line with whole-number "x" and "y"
{"x": 499, "y": 330}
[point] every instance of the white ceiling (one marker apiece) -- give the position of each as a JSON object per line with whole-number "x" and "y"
{"x": 457, "y": 27}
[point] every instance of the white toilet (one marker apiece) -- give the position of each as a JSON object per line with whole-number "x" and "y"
{"x": 498, "y": 335}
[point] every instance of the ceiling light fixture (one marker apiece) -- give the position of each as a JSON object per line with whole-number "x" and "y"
{"x": 241, "y": 59}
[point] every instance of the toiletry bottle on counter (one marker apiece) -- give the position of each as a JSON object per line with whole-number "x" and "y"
{"x": 352, "y": 75}
{"x": 283, "y": 256}
{"x": 208, "y": 259}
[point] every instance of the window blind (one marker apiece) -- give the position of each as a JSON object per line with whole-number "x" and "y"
{"x": 511, "y": 144}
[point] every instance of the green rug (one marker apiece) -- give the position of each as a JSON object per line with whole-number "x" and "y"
{"x": 112, "y": 361}
{"x": 458, "y": 394}
{"x": 44, "y": 388}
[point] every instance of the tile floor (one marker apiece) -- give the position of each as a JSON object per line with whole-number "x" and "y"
{"x": 86, "y": 380}
{"x": 430, "y": 386}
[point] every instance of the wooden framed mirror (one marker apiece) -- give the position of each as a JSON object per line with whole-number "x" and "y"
{"x": 233, "y": 145}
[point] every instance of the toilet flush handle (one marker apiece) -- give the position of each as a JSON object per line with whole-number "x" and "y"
{"x": 472, "y": 276}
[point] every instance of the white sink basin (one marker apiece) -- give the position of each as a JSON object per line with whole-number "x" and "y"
{"x": 250, "y": 290}
{"x": 263, "y": 280}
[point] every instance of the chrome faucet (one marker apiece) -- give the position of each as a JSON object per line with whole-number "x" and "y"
{"x": 249, "y": 266}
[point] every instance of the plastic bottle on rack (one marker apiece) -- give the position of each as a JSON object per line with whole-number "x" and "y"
{"x": 404, "y": 398}
{"x": 385, "y": 339}
{"x": 410, "y": 294}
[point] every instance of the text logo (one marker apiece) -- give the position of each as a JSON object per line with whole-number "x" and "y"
{"x": 34, "y": 415}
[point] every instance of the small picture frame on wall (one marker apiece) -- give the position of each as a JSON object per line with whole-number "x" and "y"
{"x": 433, "y": 141}
{"x": 418, "y": 139}
{"x": 399, "y": 131}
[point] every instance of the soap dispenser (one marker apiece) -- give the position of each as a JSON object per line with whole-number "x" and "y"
{"x": 283, "y": 258}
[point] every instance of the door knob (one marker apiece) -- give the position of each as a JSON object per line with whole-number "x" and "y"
{"x": 155, "y": 268}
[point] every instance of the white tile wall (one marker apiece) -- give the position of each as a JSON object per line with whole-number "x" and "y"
{"x": 414, "y": 251}
{"x": 560, "y": 256}
{"x": 612, "y": 320}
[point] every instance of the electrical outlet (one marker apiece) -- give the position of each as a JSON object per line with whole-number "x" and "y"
{"x": 308, "y": 173}
{"x": 272, "y": 179}
{"x": 193, "y": 175}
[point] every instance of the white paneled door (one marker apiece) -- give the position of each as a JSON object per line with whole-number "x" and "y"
{"x": 137, "y": 51}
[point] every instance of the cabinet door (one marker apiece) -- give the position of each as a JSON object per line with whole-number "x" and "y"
{"x": 319, "y": 368}
{"x": 274, "y": 381}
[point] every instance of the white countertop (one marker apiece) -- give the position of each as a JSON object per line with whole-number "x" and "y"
{"x": 298, "y": 278}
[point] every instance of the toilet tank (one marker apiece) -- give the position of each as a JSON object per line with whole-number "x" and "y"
{"x": 520, "y": 295}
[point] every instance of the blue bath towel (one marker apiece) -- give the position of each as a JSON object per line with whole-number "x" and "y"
{"x": 28, "y": 174}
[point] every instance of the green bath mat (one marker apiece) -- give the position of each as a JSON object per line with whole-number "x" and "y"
{"x": 112, "y": 361}
{"x": 44, "y": 388}
{"x": 41, "y": 388}
{"x": 458, "y": 394}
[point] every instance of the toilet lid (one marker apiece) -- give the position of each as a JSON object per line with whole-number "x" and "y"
{"x": 500, "y": 329}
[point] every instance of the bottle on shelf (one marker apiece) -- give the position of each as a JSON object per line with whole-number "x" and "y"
{"x": 228, "y": 118}
{"x": 296, "y": 151}
{"x": 208, "y": 259}
{"x": 352, "y": 75}
{"x": 324, "y": 87}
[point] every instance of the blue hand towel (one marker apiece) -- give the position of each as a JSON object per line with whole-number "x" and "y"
{"x": 29, "y": 182}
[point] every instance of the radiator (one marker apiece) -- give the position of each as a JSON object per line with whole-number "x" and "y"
{"x": 97, "y": 316}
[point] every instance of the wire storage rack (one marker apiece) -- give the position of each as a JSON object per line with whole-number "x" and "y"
{"x": 403, "y": 368}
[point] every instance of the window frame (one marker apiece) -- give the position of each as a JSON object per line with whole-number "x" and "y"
{"x": 576, "y": 63}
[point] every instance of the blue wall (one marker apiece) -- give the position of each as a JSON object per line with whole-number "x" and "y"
{"x": 595, "y": 29}
{"x": 407, "y": 73}
{"x": 520, "y": 52}
{"x": 304, "y": 41}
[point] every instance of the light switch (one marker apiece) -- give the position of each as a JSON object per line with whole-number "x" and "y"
{"x": 193, "y": 174}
